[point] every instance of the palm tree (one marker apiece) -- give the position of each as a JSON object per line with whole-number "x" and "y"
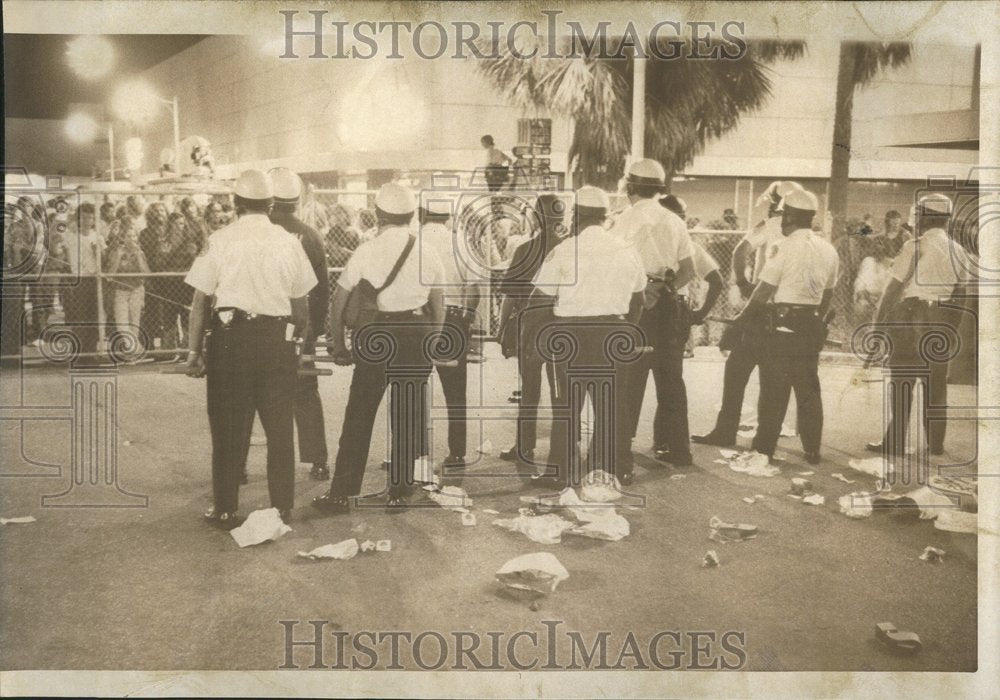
{"x": 859, "y": 63}
{"x": 688, "y": 101}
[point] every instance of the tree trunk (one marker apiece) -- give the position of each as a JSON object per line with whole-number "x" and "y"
{"x": 840, "y": 159}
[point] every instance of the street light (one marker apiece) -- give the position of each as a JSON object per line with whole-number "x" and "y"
{"x": 90, "y": 57}
{"x": 135, "y": 101}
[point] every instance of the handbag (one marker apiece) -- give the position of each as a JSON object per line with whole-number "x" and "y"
{"x": 362, "y": 302}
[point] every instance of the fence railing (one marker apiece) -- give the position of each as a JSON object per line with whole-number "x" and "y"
{"x": 43, "y": 258}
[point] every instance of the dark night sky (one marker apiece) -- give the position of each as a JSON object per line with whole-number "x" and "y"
{"x": 39, "y": 84}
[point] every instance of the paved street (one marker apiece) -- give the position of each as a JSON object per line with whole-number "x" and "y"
{"x": 156, "y": 588}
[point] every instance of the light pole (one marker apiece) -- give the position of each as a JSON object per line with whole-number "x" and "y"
{"x": 135, "y": 101}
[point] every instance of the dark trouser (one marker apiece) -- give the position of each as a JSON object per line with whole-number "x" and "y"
{"x": 387, "y": 353}
{"x": 530, "y": 363}
{"x": 790, "y": 361}
{"x": 742, "y": 360}
{"x": 454, "y": 380}
{"x": 666, "y": 328}
{"x": 309, "y": 423}
{"x": 907, "y": 364}
{"x": 596, "y": 372}
{"x": 251, "y": 367}
{"x": 80, "y": 304}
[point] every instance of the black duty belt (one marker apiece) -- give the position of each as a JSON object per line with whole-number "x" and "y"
{"x": 228, "y": 314}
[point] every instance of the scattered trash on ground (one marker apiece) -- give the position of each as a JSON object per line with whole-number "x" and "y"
{"x": 840, "y": 477}
{"x": 897, "y": 640}
{"x": 600, "y": 487}
{"x": 383, "y": 546}
{"x": 677, "y": 477}
{"x": 611, "y": 527}
{"x": 469, "y": 519}
{"x": 490, "y": 511}
{"x": 750, "y": 500}
{"x": 932, "y": 554}
{"x": 806, "y": 473}
{"x": 711, "y": 560}
{"x": 539, "y": 572}
{"x": 367, "y": 546}
{"x": 856, "y": 505}
{"x": 260, "y": 526}
{"x": 451, "y": 498}
{"x": 814, "y": 499}
{"x": 543, "y": 529}
{"x": 342, "y": 550}
{"x": 750, "y": 463}
{"x": 730, "y": 532}
{"x": 873, "y": 466}
{"x": 21, "y": 520}
{"x": 957, "y": 521}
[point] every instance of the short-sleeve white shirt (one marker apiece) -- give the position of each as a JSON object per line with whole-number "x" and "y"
{"x": 374, "y": 260}
{"x": 804, "y": 266}
{"x": 592, "y": 274}
{"x": 660, "y": 237}
{"x": 253, "y": 265}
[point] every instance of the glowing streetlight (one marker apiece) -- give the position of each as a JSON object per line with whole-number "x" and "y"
{"x": 136, "y": 102}
{"x": 81, "y": 128}
{"x": 90, "y": 57}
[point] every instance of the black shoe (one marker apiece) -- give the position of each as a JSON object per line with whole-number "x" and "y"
{"x": 330, "y": 504}
{"x": 319, "y": 472}
{"x": 512, "y": 455}
{"x": 813, "y": 457}
{"x": 713, "y": 438}
{"x": 244, "y": 478}
{"x": 937, "y": 451}
{"x": 453, "y": 462}
{"x": 223, "y": 520}
{"x": 285, "y": 515}
{"x": 626, "y": 479}
{"x": 677, "y": 459}
{"x": 874, "y": 446}
{"x": 514, "y": 398}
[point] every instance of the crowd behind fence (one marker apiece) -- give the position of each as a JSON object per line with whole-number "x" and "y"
{"x": 115, "y": 262}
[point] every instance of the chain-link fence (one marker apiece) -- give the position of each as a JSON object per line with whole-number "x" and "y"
{"x": 110, "y": 265}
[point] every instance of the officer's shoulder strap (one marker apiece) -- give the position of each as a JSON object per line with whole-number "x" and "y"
{"x": 399, "y": 262}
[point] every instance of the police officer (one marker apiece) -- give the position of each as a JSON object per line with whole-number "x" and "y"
{"x": 259, "y": 276}
{"x": 598, "y": 282}
{"x": 531, "y": 310}
{"x": 662, "y": 242}
{"x": 308, "y": 406}
{"x": 745, "y": 348}
{"x": 799, "y": 281}
{"x": 392, "y": 351}
{"x": 462, "y": 294}
{"x": 930, "y": 269}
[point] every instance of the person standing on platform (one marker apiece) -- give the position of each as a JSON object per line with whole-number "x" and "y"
{"x": 598, "y": 282}
{"x": 497, "y": 164}
{"x": 390, "y": 351}
{"x": 259, "y": 277}
{"x": 744, "y": 342}
{"x": 930, "y": 269}
{"x": 662, "y": 242}
{"x": 308, "y": 406}
{"x": 798, "y": 282}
